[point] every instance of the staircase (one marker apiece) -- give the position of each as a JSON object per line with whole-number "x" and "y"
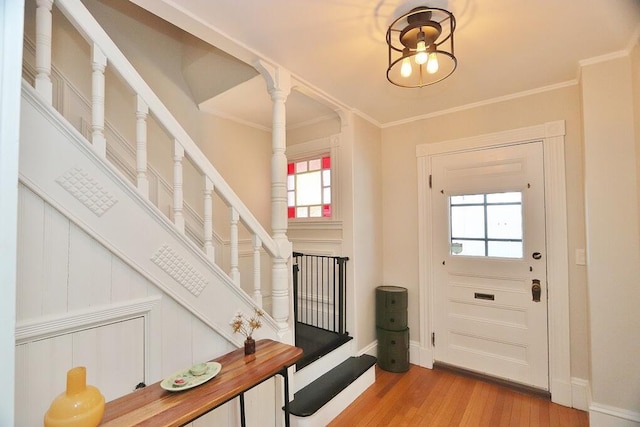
{"x": 111, "y": 197}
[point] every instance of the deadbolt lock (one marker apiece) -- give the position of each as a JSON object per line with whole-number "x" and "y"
{"x": 536, "y": 290}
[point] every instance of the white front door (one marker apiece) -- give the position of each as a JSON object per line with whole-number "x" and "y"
{"x": 490, "y": 284}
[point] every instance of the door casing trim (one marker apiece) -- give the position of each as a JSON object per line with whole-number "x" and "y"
{"x": 552, "y": 135}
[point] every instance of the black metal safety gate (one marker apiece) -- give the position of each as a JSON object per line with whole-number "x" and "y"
{"x": 319, "y": 291}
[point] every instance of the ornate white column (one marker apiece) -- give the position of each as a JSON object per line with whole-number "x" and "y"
{"x": 279, "y": 86}
{"x": 43, "y": 49}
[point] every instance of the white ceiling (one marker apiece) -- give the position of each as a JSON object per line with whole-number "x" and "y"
{"x": 337, "y": 48}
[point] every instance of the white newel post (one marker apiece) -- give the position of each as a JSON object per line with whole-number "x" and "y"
{"x": 208, "y": 219}
{"x": 234, "y": 218}
{"x": 142, "y": 111}
{"x": 178, "y": 155}
{"x": 43, "y": 49}
{"x": 257, "y": 285}
{"x": 279, "y": 85}
{"x": 98, "y": 64}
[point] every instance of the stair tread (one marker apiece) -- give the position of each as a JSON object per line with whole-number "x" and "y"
{"x": 308, "y": 400}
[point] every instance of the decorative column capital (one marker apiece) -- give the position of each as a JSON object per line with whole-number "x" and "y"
{"x": 48, "y": 4}
{"x": 277, "y": 78}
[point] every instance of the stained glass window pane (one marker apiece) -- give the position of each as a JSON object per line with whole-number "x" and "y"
{"x": 326, "y": 178}
{"x": 315, "y": 211}
{"x": 326, "y": 195}
{"x": 314, "y": 164}
{"x": 309, "y": 189}
{"x": 291, "y": 212}
{"x": 301, "y": 167}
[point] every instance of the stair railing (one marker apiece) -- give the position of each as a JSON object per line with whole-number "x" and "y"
{"x": 105, "y": 52}
{"x": 319, "y": 291}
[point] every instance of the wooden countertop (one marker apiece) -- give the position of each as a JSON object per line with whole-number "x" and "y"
{"x": 154, "y": 406}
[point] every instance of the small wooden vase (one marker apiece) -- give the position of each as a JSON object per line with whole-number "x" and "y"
{"x": 79, "y": 406}
{"x": 249, "y": 346}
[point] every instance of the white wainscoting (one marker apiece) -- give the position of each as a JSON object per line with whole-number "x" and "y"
{"x": 80, "y": 305}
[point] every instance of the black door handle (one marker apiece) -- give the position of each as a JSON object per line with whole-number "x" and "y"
{"x": 536, "y": 290}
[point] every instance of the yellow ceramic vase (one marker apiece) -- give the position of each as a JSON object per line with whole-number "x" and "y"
{"x": 79, "y": 406}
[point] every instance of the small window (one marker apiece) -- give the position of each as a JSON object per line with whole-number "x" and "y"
{"x": 488, "y": 225}
{"x": 309, "y": 188}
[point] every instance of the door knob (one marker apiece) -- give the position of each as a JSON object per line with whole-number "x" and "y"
{"x": 536, "y": 290}
{"x": 536, "y": 255}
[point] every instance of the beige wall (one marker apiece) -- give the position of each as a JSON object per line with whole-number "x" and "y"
{"x": 611, "y": 190}
{"x": 635, "y": 81}
{"x": 367, "y": 227}
{"x": 400, "y": 210}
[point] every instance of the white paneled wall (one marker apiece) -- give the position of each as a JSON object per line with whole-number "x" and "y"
{"x": 65, "y": 274}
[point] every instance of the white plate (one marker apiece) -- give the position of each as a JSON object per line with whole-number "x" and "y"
{"x": 190, "y": 380}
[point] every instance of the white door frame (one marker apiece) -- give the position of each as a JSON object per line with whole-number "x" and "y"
{"x": 552, "y": 136}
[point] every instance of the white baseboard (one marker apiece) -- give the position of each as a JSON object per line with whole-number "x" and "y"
{"x": 601, "y": 415}
{"x": 420, "y": 356}
{"x": 580, "y": 394}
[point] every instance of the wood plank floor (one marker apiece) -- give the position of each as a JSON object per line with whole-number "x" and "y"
{"x": 426, "y": 397}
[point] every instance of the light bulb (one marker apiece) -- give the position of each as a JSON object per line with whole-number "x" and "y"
{"x": 432, "y": 64}
{"x": 405, "y": 70}
{"x": 421, "y": 55}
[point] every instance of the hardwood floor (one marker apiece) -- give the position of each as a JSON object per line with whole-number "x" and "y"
{"x": 425, "y": 397}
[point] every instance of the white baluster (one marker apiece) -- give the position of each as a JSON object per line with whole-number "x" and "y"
{"x": 257, "y": 293}
{"x": 142, "y": 111}
{"x": 234, "y": 217}
{"x": 178, "y": 198}
{"x": 43, "y": 50}
{"x": 98, "y": 64}
{"x": 208, "y": 219}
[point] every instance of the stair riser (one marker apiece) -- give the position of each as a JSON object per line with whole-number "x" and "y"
{"x": 321, "y": 366}
{"x": 338, "y": 404}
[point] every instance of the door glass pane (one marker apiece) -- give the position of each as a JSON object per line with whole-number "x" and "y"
{"x": 487, "y": 225}
{"x": 465, "y": 200}
{"x": 514, "y": 197}
{"x": 504, "y": 222}
{"x": 505, "y": 249}
{"x": 467, "y": 247}
{"x": 467, "y": 221}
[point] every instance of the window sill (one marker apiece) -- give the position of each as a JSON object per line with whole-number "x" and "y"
{"x": 314, "y": 224}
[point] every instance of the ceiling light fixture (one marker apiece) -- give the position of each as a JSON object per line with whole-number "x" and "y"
{"x": 420, "y": 45}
